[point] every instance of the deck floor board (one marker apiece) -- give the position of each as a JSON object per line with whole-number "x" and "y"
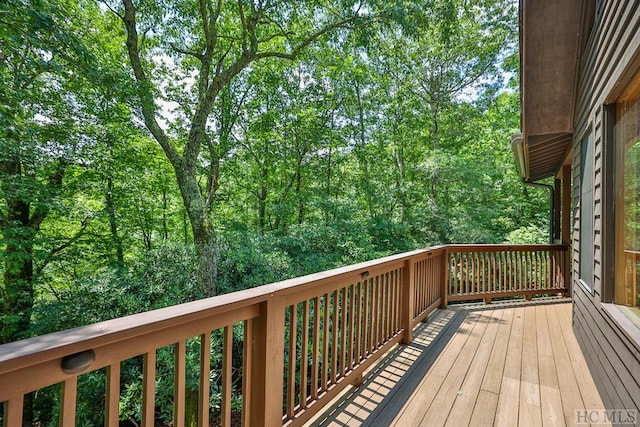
{"x": 501, "y": 364}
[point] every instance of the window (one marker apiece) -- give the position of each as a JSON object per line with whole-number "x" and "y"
{"x": 627, "y": 196}
{"x": 586, "y": 210}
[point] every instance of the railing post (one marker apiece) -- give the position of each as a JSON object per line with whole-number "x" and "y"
{"x": 566, "y": 269}
{"x": 444, "y": 279}
{"x": 267, "y": 361}
{"x": 407, "y": 301}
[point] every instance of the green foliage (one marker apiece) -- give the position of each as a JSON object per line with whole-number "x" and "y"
{"x": 387, "y": 133}
{"x": 163, "y": 277}
{"x": 530, "y": 234}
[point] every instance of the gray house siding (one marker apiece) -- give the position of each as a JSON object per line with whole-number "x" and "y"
{"x": 610, "y": 57}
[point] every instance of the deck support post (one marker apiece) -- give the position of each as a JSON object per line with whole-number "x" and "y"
{"x": 407, "y": 301}
{"x": 566, "y": 226}
{"x": 444, "y": 279}
{"x": 267, "y": 360}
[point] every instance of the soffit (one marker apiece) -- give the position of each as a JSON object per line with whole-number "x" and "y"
{"x": 550, "y": 44}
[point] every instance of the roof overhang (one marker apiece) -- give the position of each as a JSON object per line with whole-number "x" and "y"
{"x": 550, "y": 45}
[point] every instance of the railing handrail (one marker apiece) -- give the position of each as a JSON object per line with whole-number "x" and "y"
{"x": 21, "y": 354}
{"x": 504, "y": 247}
{"x": 632, "y": 254}
{"x": 356, "y": 312}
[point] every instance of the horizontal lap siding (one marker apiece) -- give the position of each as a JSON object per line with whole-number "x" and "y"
{"x": 613, "y": 359}
{"x": 610, "y": 355}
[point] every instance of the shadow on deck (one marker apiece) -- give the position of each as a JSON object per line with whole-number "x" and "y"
{"x": 508, "y": 363}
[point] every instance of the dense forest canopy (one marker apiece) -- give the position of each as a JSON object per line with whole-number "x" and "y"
{"x": 154, "y": 152}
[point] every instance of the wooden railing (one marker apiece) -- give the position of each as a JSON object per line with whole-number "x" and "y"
{"x": 492, "y": 271}
{"x": 302, "y": 340}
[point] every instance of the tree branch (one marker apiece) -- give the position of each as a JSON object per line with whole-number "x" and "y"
{"x": 115, "y": 12}
{"x": 146, "y": 97}
{"x": 307, "y": 41}
{"x": 54, "y": 182}
{"x": 49, "y": 257}
{"x": 193, "y": 53}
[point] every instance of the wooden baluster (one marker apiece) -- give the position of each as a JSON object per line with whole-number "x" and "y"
{"x": 460, "y": 273}
{"x": 397, "y": 284}
{"x": 518, "y": 270}
{"x": 304, "y": 357}
{"x": 205, "y": 378}
{"x": 427, "y": 280}
{"x": 354, "y": 322}
{"x": 392, "y": 302}
{"x": 371, "y": 307}
{"x": 416, "y": 289}
{"x": 335, "y": 335}
{"x": 534, "y": 269}
{"x": 345, "y": 309}
{"x": 149, "y": 389}
{"x": 112, "y": 400}
{"x": 227, "y": 361}
{"x": 466, "y": 268}
{"x": 539, "y": 269}
{"x": 359, "y": 321}
{"x": 504, "y": 271}
{"x": 247, "y": 373}
{"x": 419, "y": 287}
{"x": 384, "y": 281}
{"x": 483, "y": 269}
{"x": 473, "y": 274}
{"x": 366, "y": 324}
{"x": 68, "y": 402}
{"x": 525, "y": 270}
{"x": 500, "y": 271}
{"x": 512, "y": 271}
{"x": 291, "y": 362}
{"x": 180, "y": 386}
{"x": 549, "y": 276}
{"x": 386, "y": 306}
{"x": 315, "y": 355}
{"x": 531, "y": 268}
{"x": 375, "y": 313}
{"x": 325, "y": 343}
{"x": 382, "y": 309}
{"x": 497, "y": 287}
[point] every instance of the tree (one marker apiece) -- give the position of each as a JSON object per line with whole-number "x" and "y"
{"x": 38, "y": 58}
{"x": 213, "y": 43}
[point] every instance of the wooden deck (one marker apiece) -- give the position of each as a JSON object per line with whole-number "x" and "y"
{"x": 485, "y": 365}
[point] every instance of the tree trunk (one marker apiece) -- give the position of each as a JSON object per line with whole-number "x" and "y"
{"x": 207, "y": 257}
{"x": 262, "y": 198}
{"x": 113, "y": 223}
{"x": 165, "y": 226}
{"x": 18, "y": 273}
{"x": 299, "y": 191}
{"x": 362, "y": 156}
{"x": 204, "y": 234}
{"x": 19, "y": 228}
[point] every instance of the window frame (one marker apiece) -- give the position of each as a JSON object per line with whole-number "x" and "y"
{"x": 586, "y": 211}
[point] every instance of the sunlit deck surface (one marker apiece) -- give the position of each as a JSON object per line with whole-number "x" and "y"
{"x": 503, "y": 364}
